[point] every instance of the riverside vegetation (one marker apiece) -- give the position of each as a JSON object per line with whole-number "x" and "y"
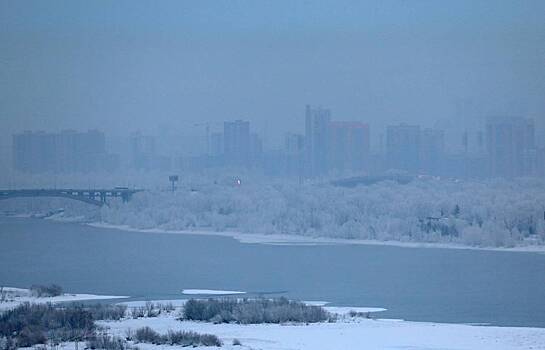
{"x": 47, "y": 324}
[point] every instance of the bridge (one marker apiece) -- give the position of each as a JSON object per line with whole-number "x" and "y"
{"x": 91, "y": 196}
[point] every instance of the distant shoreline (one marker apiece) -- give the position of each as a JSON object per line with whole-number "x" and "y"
{"x": 291, "y": 240}
{"x": 285, "y": 239}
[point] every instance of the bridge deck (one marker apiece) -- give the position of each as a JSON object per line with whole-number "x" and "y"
{"x": 91, "y": 196}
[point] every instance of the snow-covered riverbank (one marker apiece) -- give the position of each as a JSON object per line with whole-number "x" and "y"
{"x": 281, "y": 239}
{"x": 347, "y": 333}
{"x": 11, "y": 297}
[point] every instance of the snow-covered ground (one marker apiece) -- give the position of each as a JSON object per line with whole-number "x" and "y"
{"x": 345, "y": 310}
{"x": 15, "y": 296}
{"x": 348, "y": 333}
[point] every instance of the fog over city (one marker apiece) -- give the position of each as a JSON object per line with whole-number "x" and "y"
{"x": 311, "y": 175}
{"x": 162, "y": 68}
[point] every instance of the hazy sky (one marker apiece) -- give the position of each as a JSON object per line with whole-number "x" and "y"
{"x": 128, "y": 65}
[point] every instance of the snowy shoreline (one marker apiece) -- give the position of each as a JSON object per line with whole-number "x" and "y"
{"x": 347, "y": 332}
{"x": 282, "y": 239}
{"x": 287, "y": 239}
{"x": 17, "y": 296}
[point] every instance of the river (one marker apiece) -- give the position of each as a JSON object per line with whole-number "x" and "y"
{"x": 421, "y": 284}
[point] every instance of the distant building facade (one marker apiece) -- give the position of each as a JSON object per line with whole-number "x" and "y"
{"x": 216, "y": 144}
{"x": 236, "y": 143}
{"x": 316, "y": 140}
{"x": 68, "y": 151}
{"x": 348, "y": 145}
{"x": 294, "y": 148}
{"x": 403, "y": 147}
{"x": 510, "y": 146}
{"x": 432, "y": 151}
{"x": 541, "y": 162}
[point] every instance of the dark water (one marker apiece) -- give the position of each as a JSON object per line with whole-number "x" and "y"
{"x": 443, "y": 285}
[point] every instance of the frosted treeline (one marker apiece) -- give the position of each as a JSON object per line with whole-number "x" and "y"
{"x": 491, "y": 213}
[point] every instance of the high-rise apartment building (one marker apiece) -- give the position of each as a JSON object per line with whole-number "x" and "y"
{"x": 236, "y": 143}
{"x": 403, "y": 147}
{"x": 348, "y": 145}
{"x": 511, "y": 146}
{"x": 294, "y": 143}
{"x": 143, "y": 150}
{"x": 35, "y": 152}
{"x": 316, "y": 140}
{"x": 432, "y": 151}
{"x": 294, "y": 147}
{"x": 216, "y": 144}
{"x": 64, "y": 152}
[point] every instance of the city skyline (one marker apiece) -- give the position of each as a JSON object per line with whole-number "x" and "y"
{"x": 304, "y": 175}
{"x": 72, "y": 66}
{"x": 504, "y": 147}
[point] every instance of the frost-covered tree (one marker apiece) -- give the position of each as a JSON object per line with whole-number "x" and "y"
{"x": 490, "y": 213}
{"x": 494, "y": 213}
